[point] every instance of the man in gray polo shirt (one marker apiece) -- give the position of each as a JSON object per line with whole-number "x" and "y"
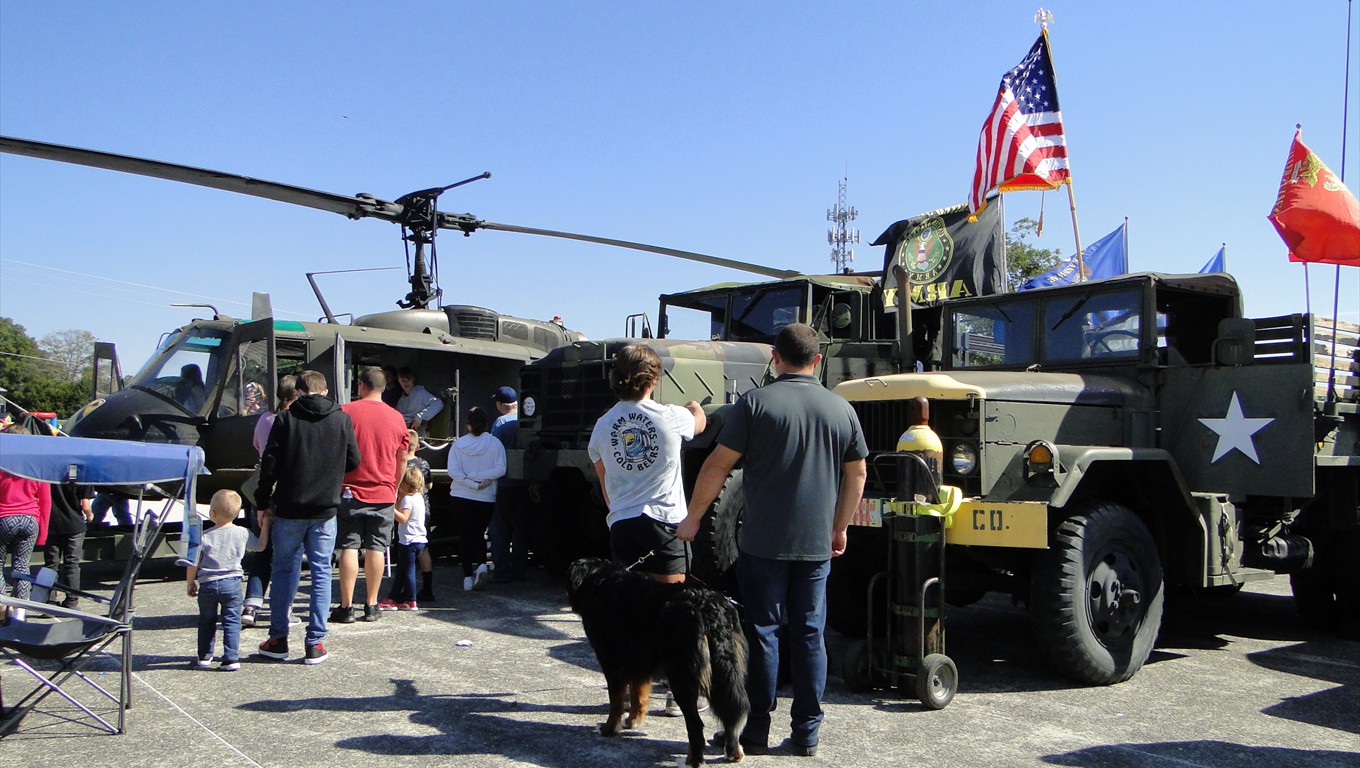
{"x": 804, "y": 475}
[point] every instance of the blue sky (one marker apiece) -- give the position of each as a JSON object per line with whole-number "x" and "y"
{"x": 716, "y": 127}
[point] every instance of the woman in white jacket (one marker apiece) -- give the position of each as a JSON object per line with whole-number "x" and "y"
{"x": 476, "y": 461}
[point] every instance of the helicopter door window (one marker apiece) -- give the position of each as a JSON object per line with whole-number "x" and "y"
{"x": 247, "y": 390}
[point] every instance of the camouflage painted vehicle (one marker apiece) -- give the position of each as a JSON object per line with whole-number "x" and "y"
{"x": 1119, "y": 437}
{"x": 566, "y": 391}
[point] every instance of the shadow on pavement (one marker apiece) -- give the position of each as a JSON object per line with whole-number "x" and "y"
{"x": 487, "y": 724}
{"x": 1333, "y": 661}
{"x": 1211, "y": 754}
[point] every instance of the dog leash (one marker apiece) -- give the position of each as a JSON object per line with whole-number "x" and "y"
{"x": 640, "y": 560}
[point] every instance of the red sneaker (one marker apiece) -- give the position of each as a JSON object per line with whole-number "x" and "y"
{"x": 411, "y": 606}
{"x": 387, "y": 605}
{"x": 275, "y": 648}
{"x": 315, "y": 654}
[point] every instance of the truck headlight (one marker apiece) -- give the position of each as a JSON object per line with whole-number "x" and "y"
{"x": 963, "y": 458}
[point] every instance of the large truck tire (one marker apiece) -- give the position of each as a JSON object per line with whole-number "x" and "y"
{"x": 1096, "y": 595}
{"x": 714, "y": 549}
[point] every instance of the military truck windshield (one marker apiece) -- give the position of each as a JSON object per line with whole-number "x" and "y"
{"x": 1091, "y": 325}
{"x": 1048, "y": 329}
{"x": 760, "y": 317}
{"x": 745, "y": 316}
{"x": 186, "y": 368}
{"x": 989, "y": 336}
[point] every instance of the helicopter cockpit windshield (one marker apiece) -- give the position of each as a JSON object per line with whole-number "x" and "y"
{"x": 185, "y": 370}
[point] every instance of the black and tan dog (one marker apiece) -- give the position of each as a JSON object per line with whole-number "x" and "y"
{"x": 689, "y": 633}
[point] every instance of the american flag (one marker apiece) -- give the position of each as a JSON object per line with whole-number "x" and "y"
{"x": 1022, "y": 144}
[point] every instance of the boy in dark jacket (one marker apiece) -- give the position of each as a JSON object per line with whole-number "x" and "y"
{"x": 310, "y": 448}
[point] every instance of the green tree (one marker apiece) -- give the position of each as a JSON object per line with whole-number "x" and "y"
{"x": 70, "y": 351}
{"x": 1023, "y": 260}
{"x": 18, "y": 355}
{"x": 34, "y": 383}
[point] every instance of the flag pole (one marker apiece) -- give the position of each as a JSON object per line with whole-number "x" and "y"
{"x": 1044, "y": 17}
{"x": 1336, "y": 279}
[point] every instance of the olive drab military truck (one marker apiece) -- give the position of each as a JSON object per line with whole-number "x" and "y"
{"x": 1119, "y": 437}
{"x": 564, "y": 393}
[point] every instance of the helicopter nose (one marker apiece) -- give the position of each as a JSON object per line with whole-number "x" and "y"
{"x": 134, "y": 415}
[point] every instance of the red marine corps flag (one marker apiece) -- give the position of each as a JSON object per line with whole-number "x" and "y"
{"x": 1022, "y": 145}
{"x": 1316, "y": 216}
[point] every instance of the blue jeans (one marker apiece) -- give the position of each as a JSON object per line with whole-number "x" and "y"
{"x": 291, "y": 538}
{"x": 793, "y": 592}
{"x": 104, "y": 502}
{"x": 510, "y": 526}
{"x": 226, "y": 595}
{"x": 404, "y": 579}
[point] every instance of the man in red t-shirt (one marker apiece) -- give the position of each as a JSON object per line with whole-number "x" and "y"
{"x": 370, "y": 495}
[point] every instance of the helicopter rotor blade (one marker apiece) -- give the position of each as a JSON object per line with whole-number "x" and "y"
{"x": 353, "y": 207}
{"x": 356, "y": 207}
{"x": 744, "y": 266}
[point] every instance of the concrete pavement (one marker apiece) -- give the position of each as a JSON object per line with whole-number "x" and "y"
{"x": 1236, "y": 683}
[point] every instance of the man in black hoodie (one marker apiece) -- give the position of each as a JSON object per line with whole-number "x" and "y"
{"x": 310, "y": 448}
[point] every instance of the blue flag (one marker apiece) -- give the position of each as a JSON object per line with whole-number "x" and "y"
{"x": 1106, "y": 257}
{"x": 1218, "y": 263}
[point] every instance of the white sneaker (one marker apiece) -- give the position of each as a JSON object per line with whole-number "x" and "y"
{"x": 480, "y": 576}
{"x": 672, "y": 709}
{"x": 468, "y": 583}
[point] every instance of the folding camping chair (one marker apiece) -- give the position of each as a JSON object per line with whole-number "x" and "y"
{"x": 74, "y": 639}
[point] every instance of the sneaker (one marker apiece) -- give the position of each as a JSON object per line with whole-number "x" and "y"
{"x": 468, "y": 583}
{"x": 672, "y": 708}
{"x": 387, "y": 605}
{"x": 482, "y": 573}
{"x": 411, "y": 606}
{"x": 371, "y": 613}
{"x": 803, "y": 750}
{"x": 293, "y": 619}
{"x": 203, "y": 662}
{"x": 343, "y": 614}
{"x": 230, "y": 666}
{"x": 275, "y": 648}
{"x": 315, "y": 654}
{"x": 248, "y": 616}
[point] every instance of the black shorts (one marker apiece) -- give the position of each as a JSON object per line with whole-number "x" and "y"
{"x": 632, "y": 539}
{"x": 363, "y": 526}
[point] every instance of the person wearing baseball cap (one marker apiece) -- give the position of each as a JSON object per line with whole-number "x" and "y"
{"x": 509, "y": 526}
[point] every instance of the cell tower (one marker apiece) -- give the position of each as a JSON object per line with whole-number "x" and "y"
{"x": 840, "y": 236}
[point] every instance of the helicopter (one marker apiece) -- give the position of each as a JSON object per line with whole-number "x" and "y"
{"x": 210, "y": 381}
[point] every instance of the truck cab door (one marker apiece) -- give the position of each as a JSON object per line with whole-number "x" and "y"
{"x": 247, "y": 391}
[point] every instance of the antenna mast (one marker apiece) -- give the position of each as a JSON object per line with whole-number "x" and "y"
{"x": 840, "y": 236}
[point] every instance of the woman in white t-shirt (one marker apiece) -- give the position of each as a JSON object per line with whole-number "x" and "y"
{"x": 636, "y": 450}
